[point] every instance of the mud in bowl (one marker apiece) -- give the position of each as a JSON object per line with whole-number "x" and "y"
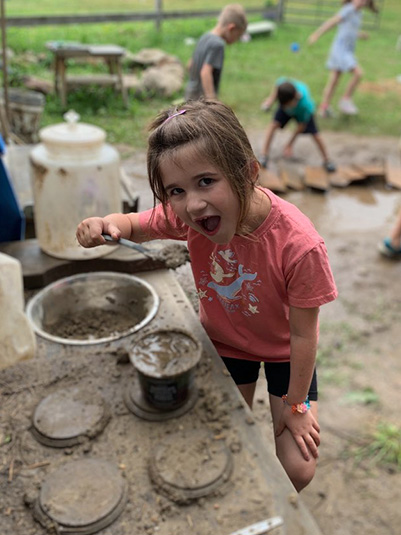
{"x": 165, "y": 362}
{"x": 92, "y": 308}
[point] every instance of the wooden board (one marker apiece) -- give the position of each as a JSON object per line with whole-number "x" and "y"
{"x": 353, "y": 173}
{"x": 393, "y": 172}
{"x": 269, "y": 179}
{"x": 339, "y": 179}
{"x": 291, "y": 175}
{"x": 345, "y": 175}
{"x": 40, "y": 269}
{"x": 317, "y": 178}
{"x": 371, "y": 170}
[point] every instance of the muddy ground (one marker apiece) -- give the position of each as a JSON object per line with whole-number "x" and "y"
{"x": 358, "y": 363}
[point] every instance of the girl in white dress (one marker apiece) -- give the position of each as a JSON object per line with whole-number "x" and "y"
{"x": 341, "y": 58}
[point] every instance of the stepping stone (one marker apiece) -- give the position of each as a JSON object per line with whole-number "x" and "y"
{"x": 291, "y": 175}
{"x": 393, "y": 172}
{"x": 371, "y": 170}
{"x": 272, "y": 181}
{"x": 317, "y": 178}
{"x": 345, "y": 175}
{"x": 353, "y": 173}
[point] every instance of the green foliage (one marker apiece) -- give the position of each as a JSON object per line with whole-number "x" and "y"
{"x": 250, "y": 69}
{"x": 365, "y": 396}
{"x": 383, "y": 447}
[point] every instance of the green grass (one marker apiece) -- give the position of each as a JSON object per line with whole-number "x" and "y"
{"x": 382, "y": 448}
{"x": 250, "y": 68}
{"x": 364, "y": 396}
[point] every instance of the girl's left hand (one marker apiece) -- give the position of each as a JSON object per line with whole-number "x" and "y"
{"x": 304, "y": 428}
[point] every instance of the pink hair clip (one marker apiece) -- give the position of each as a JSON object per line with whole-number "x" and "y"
{"x": 174, "y": 115}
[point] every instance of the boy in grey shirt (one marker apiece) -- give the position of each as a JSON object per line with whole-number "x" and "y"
{"x": 207, "y": 61}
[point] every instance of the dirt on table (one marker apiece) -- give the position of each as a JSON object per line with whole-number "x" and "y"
{"x": 359, "y": 369}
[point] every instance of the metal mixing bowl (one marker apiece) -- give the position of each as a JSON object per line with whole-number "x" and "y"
{"x": 108, "y": 305}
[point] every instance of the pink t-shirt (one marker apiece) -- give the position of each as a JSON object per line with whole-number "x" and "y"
{"x": 246, "y": 287}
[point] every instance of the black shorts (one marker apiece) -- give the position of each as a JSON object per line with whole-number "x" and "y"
{"x": 277, "y": 375}
{"x": 282, "y": 118}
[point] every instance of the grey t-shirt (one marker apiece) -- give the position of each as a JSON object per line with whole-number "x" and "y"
{"x": 210, "y": 50}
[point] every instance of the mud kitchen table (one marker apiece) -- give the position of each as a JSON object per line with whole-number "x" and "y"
{"x": 206, "y": 471}
{"x": 111, "y": 54}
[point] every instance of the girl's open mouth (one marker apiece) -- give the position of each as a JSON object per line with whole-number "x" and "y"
{"x": 210, "y": 224}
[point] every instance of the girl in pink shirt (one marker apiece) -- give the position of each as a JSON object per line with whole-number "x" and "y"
{"x": 260, "y": 268}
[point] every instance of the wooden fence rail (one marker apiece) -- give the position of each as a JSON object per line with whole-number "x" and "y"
{"x": 290, "y": 11}
{"x": 126, "y": 17}
{"x": 317, "y": 11}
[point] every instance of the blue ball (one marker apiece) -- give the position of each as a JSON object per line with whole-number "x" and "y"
{"x": 295, "y": 47}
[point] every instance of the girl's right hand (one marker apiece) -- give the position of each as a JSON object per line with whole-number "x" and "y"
{"x": 89, "y": 231}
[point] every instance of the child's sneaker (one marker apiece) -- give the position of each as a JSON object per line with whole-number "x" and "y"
{"x": 386, "y": 249}
{"x": 347, "y": 106}
{"x": 329, "y": 166}
{"x": 263, "y": 160}
{"x": 326, "y": 112}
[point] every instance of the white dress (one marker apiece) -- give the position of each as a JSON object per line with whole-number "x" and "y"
{"x": 341, "y": 57}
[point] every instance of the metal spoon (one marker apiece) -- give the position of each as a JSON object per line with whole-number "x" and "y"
{"x": 131, "y": 245}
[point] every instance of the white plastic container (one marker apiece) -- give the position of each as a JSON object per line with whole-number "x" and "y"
{"x": 74, "y": 175}
{"x": 17, "y": 339}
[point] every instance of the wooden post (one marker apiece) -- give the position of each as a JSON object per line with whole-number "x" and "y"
{"x": 280, "y": 10}
{"x": 159, "y": 13}
{"x": 4, "y": 54}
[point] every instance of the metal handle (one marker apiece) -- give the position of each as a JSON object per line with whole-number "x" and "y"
{"x": 260, "y": 527}
{"x": 131, "y": 245}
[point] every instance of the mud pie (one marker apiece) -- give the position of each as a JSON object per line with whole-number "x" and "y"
{"x": 81, "y": 497}
{"x": 68, "y": 417}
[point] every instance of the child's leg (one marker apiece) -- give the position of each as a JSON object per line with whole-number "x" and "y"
{"x": 248, "y": 392}
{"x": 396, "y": 233}
{"x": 271, "y": 130}
{"x": 321, "y": 146}
{"x": 299, "y": 470}
{"x": 311, "y": 128}
{"x": 328, "y": 91}
{"x": 245, "y": 374}
{"x": 355, "y": 79}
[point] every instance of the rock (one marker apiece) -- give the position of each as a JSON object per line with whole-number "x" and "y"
{"x": 147, "y": 56}
{"x": 38, "y": 84}
{"x": 164, "y": 80}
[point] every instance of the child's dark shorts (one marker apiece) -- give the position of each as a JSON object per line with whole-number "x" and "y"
{"x": 282, "y": 118}
{"x": 277, "y": 375}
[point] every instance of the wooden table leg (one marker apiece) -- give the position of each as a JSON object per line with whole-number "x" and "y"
{"x": 123, "y": 89}
{"x": 56, "y": 74}
{"x": 63, "y": 83}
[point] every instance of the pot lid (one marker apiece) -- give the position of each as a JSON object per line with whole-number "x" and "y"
{"x": 72, "y": 133}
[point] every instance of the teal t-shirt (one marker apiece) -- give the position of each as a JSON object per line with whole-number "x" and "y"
{"x": 305, "y": 107}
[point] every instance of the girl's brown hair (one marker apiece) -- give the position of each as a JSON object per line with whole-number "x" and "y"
{"x": 370, "y": 4}
{"x": 214, "y": 132}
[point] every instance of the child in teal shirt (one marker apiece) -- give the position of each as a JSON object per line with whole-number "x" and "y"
{"x": 295, "y": 102}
